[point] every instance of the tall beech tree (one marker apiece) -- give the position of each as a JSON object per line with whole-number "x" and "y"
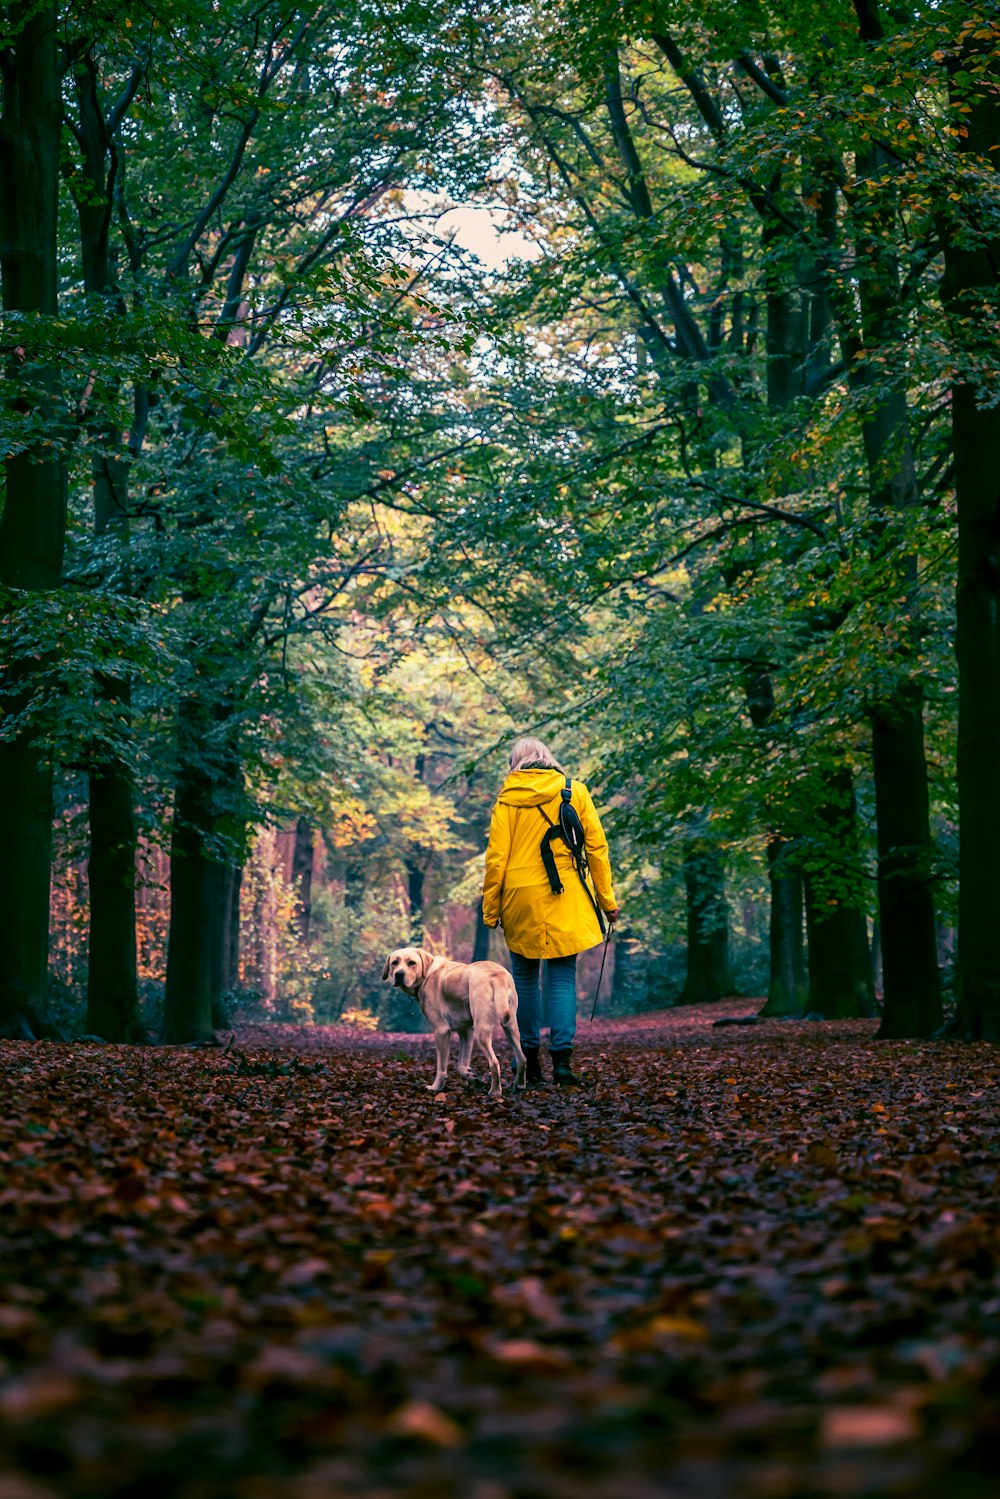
{"x": 696, "y": 341}
{"x": 32, "y": 527}
{"x": 112, "y": 981}
{"x": 972, "y": 297}
{"x": 806, "y": 301}
{"x": 912, "y": 993}
{"x": 709, "y": 975}
{"x": 267, "y": 297}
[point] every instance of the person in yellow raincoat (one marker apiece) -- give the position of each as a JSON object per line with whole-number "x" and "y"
{"x": 537, "y": 923}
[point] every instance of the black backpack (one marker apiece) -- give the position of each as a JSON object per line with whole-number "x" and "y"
{"x": 569, "y": 828}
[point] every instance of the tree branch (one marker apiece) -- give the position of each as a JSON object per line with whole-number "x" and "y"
{"x": 693, "y": 82}
{"x": 766, "y": 85}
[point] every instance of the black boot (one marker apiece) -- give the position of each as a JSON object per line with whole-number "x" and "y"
{"x": 533, "y": 1075}
{"x": 562, "y": 1072}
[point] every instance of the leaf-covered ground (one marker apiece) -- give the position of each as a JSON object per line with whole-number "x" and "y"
{"x": 753, "y": 1262}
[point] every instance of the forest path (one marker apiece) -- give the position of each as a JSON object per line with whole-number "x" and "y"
{"x": 685, "y": 1025}
{"x": 757, "y": 1261}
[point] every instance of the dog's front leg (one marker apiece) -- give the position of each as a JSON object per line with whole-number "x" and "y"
{"x": 442, "y": 1040}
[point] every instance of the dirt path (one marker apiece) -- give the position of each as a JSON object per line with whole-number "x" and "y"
{"x": 691, "y": 1023}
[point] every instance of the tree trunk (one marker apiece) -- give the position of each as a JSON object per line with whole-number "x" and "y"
{"x": 415, "y": 870}
{"x": 302, "y": 874}
{"x": 786, "y": 985}
{"x": 231, "y": 953}
{"x": 112, "y": 984}
{"x": 187, "y": 1010}
{"x": 972, "y": 277}
{"x": 112, "y": 981}
{"x": 415, "y": 893}
{"x": 787, "y": 991}
{"x": 481, "y": 942}
{"x": 840, "y": 976}
{"x": 787, "y": 339}
{"x": 33, "y": 524}
{"x": 911, "y": 981}
{"x": 221, "y": 885}
{"x": 977, "y": 442}
{"x": 840, "y": 982}
{"x": 708, "y": 973}
{"x": 794, "y": 344}
{"x": 199, "y": 871}
{"x": 911, "y": 985}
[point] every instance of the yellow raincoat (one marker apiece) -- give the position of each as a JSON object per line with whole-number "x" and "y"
{"x": 516, "y": 891}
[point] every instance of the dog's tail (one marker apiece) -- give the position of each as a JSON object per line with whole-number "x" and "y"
{"x": 504, "y": 997}
{"x": 501, "y": 1003}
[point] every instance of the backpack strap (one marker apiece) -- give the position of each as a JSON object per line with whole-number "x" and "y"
{"x": 549, "y": 858}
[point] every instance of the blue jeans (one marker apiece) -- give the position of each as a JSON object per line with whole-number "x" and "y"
{"x": 562, "y": 1000}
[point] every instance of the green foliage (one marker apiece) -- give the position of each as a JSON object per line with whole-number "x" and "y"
{"x": 381, "y": 509}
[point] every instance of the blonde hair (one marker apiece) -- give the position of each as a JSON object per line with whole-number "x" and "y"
{"x": 529, "y": 753}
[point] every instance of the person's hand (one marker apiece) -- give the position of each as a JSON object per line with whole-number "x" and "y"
{"x": 613, "y": 915}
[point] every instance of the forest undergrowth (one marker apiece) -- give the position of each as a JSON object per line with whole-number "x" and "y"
{"x": 759, "y": 1262}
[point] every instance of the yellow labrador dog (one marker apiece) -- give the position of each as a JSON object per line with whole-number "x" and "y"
{"x": 470, "y": 998}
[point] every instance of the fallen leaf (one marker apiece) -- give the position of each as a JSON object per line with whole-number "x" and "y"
{"x": 424, "y": 1422}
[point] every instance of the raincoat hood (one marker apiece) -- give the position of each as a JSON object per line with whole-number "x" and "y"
{"x": 531, "y": 788}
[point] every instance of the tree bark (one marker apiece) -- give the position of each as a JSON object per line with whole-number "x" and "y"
{"x": 302, "y": 874}
{"x": 840, "y": 983}
{"x": 840, "y": 977}
{"x": 220, "y": 889}
{"x": 708, "y": 972}
{"x": 787, "y": 990}
{"x": 415, "y": 895}
{"x": 972, "y": 280}
{"x": 415, "y": 872}
{"x": 112, "y": 983}
{"x": 231, "y": 951}
{"x": 786, "y": 984}
{"x": 481, "y": 941}
{"x": 911, "y": 986}
{"x": 199, "y": 870}
{"x": 191, "y": 968}
{"x": 112, "y": 980}
{"x": 33, "y": 524}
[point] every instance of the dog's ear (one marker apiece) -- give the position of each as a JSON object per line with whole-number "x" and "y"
{"x": 426, "y": 959}
{"x": 385, "y": 970}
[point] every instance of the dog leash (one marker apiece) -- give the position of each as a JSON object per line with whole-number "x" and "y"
{"x": 604, "y": 958}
